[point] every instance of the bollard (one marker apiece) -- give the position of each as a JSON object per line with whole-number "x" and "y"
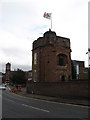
{"x": 32, "y": 92}
{"x": 19, "y": 88}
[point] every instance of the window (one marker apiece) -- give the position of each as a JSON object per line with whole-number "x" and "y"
{"x": 47, "y": 37}
{"x": 69, "y": 77}
{"x": 35, "y": 76}
{"x": 62, "y": 59}
{"x": 35, "y": 58}
{"x": 63, "y": 78}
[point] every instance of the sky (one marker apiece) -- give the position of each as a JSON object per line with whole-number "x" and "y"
{"x": 22, "y": 22}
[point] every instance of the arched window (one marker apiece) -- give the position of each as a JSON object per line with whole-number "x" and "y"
{"x": 35, "y": 58}
{"x": 62, "y": 59}
{"x": 63, "y": 78}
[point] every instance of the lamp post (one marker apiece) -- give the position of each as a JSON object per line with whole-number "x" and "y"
{"x": 88, "y": 62}
{"x": 88, "y": 57}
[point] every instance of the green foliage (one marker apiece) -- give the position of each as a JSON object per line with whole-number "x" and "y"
{"x": 18, "y": 77}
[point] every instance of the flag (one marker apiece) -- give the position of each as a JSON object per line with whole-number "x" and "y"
{"x": 47, "y": 15}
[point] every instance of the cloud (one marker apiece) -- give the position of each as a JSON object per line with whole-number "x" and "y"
{"x": 15, "y": 67}
{"x": 22, "y": 22}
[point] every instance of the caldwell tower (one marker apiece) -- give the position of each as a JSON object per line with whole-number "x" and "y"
{"x": 51, "y": 58}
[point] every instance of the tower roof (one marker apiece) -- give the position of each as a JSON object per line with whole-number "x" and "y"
{"x": 8, "y": 63}
{"x": 49, "y": 32}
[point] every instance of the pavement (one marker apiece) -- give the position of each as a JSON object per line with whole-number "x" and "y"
{"x": 69, "y": 100}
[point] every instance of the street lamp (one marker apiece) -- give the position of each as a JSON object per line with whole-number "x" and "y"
{"x": 88, "y": 62}
{"x": 88, "y": 57}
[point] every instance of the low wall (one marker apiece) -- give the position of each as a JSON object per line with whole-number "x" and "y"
{"x": 77, "y": 88}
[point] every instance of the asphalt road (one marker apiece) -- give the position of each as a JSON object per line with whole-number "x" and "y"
{"x": 15, "y": 106}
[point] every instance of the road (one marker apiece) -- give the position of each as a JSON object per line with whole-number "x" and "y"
{"x": 15, "y": 106}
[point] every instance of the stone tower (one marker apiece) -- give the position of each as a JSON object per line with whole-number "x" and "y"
{"x": 51, "y": 58}
{"x": 8, "y": 69}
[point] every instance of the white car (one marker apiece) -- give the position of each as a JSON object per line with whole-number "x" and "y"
{"x": 2, "y": 87}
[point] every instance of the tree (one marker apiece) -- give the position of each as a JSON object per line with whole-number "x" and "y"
{"x": 18, "y": 77}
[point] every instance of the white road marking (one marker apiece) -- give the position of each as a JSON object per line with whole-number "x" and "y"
{"x": 36, "y": 108}
{"x": 28, "y": 105}
{"x": 70, "y": 104}
{"x": 8, "y": 88}
{"x": 10, "y": 100}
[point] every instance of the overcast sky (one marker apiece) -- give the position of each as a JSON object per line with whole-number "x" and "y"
{"x": 22, "y": 22}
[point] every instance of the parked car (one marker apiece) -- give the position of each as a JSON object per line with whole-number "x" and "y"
{"x": 5, "y": 85}
{"x": 2, "y": 87}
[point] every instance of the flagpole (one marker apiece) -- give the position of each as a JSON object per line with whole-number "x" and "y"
{"x": 48, "y": 16}
{"x": 51, "y": 21}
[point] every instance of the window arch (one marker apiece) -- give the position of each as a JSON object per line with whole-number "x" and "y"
{"x": 63, "y": 78}
{"x": 62, "y": 59}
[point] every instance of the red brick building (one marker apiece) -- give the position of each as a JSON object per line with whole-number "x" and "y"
{"x": 51, "y": 58}
{"x": 7, "y": 74}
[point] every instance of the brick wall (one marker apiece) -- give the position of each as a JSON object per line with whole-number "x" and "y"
{"x": 75, "y": 88}
{"x": 47, "y": 50}
{"x": 83, "y": 73}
